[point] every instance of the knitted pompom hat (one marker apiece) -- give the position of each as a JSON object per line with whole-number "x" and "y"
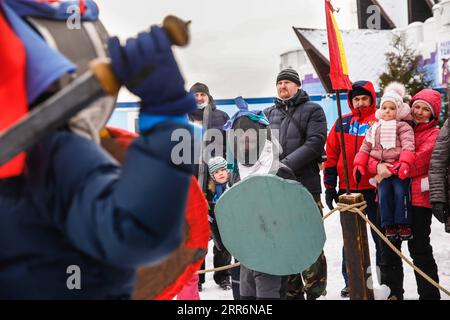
{"x": 395, "y": 92}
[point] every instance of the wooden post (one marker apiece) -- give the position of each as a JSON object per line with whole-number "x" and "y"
{"x": 354, "y": 232}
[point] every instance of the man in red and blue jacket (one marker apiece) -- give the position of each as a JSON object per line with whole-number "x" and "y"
{"x": 362, "y": 102}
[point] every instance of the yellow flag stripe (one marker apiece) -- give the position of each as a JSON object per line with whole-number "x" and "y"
{"x": 341, "y": 46}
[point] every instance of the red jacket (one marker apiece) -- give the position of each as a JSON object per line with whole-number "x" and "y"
{"x": 425, "y": 135}
{"x": 355, "y": 127}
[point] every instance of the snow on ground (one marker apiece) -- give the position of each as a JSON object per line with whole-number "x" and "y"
{"x": 333, "y": 252}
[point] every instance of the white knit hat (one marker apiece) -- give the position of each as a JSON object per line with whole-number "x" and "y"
{"x": 394, "y": 92}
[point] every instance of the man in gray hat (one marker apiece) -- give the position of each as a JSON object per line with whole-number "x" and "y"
{"x": 302, "y": 128}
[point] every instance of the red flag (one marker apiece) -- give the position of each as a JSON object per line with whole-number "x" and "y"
{"x": 338, "y": 62}
{"x": 13, "y": 97}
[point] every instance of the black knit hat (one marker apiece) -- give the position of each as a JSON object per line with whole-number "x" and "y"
{"x": 289, "y": 74}
{"x": 199, "y": 87}
{"x": 360, "y": 91}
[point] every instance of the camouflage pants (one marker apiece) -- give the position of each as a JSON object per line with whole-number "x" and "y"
{"x": 314, "y": 278}
{"x": 312, "y": 281}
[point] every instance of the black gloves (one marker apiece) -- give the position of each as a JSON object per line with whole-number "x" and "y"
{"x": 440, "y": 211}
{"x": 330, "y": 195}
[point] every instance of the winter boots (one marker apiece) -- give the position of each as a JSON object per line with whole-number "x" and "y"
{"x": 405, "y": 232}
{"x": 225, "y": 284}
{"x": 402, "y": 232}
{"x": 391, "y": 233}
{"x": 345, "y": 293}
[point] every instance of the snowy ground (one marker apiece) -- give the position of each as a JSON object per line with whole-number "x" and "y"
{"x": 333, "y": 250}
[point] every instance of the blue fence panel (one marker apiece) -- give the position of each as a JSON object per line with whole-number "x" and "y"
{"x": 125, "y": 111}
{"x": 328, "y": 104}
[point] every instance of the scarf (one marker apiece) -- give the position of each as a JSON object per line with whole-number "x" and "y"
{"x": 388, "y": 133}
{"x": 220, "y": 189}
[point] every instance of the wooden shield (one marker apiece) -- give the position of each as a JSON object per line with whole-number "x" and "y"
{"x": 165, "y": 280}
{"x": 271, "y": 225}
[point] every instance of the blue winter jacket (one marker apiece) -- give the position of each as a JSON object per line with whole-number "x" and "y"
{"x": 76, "y": 207}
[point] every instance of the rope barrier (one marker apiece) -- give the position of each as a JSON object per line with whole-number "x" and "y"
{"x": 230, "y": 266}
{"x": 356, "y": 208}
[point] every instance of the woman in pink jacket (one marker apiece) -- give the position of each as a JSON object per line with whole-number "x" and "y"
{"x": 391, "y": 140}
{"x": 426, "y": 108}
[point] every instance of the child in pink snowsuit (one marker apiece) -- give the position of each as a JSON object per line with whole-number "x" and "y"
{"x": 190, "y": 290}
{"x": 391, "y": 140}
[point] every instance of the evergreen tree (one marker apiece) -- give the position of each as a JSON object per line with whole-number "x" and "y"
{"x": 404, "y": 65}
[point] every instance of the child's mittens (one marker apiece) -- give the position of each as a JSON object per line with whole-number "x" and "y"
{"x": 394, "y": 168}
{"x": 406, "y": 161}
{"x": 403, "y": 171}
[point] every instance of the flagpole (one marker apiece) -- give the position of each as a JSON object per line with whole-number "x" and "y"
{"x": 354, "y": 229}
{"x": 344, "y": 153}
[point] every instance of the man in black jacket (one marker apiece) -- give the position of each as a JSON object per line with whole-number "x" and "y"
{"x": 218, "y": 117}
{"x": 217, "y": 120}
{"x": 302, "y": 130}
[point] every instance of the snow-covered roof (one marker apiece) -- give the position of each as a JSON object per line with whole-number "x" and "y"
{"x": 365, "y": 50}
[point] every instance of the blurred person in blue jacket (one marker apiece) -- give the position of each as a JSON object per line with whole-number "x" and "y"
{"x": 73, "y": 223}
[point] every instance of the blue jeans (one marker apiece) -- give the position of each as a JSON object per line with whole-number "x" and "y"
{"x": 394, "y": 198}
{"x": 371, "y": 211}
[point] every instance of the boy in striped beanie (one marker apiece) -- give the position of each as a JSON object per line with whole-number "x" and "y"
{"x": 217, "y": 168}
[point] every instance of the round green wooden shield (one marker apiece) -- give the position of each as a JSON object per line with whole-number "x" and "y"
{"x": 271, "y": 225}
